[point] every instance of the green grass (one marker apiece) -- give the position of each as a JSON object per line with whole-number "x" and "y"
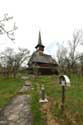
{"x": 8, "y": 88}
{"x": 73, "y": 114}
{"x": 36, "y": 106}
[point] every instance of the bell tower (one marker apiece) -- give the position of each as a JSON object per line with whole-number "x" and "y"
{"x": 39, "y": 46}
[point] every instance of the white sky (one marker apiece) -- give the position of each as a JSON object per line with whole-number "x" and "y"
{"x": 56, "y": 19}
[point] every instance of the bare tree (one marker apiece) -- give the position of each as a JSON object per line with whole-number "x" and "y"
{"x": 12, "y": 60}
{"x": 68, "y": 57}
{"x": 73, "y": 46}
{"x": 21, "y": 56}
{"x": 62, "y": 57}
{"x": 3, "y": 27}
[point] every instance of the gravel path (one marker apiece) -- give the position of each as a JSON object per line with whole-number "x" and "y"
{"x": 18, "y": 111}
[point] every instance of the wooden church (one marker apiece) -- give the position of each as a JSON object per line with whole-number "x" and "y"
{"x": 40, "y": 62}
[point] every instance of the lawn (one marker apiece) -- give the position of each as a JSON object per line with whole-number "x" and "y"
{"x": 8, "y": 88}
{"x": 73, "y": 112}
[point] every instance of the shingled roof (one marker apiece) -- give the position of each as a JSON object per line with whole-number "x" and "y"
{"x": 38, "y": 57}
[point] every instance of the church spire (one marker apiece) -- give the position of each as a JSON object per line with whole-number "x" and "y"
{"x": 39, "y": 39}
{"x": 39, "y": 46}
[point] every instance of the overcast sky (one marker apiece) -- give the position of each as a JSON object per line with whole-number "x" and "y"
{"x": 56, "y": 19}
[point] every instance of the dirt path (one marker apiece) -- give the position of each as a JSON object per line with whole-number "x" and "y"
{"x": 46, "y": 111}
{"x": 47, "y": 114}
{"x": 18, "y": 111}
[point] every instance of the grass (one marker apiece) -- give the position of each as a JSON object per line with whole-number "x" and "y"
{"x": 35, "y": 109}
{"x": 73, "y": 114}
{"x": 8, "y": 88}
{"x": 36, "y": 106}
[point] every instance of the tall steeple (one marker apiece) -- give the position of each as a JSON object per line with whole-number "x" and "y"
{"x": 39, "y": 46}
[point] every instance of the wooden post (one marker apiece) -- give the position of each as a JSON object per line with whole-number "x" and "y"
{"x": 64, "y": 81}
{"x": 63, "y": 98}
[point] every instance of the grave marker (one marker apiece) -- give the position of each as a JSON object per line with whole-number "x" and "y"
{"x": 43, "y": 97}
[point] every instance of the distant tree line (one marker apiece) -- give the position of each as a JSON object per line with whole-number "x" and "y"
{"x": 11, "y": 61}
